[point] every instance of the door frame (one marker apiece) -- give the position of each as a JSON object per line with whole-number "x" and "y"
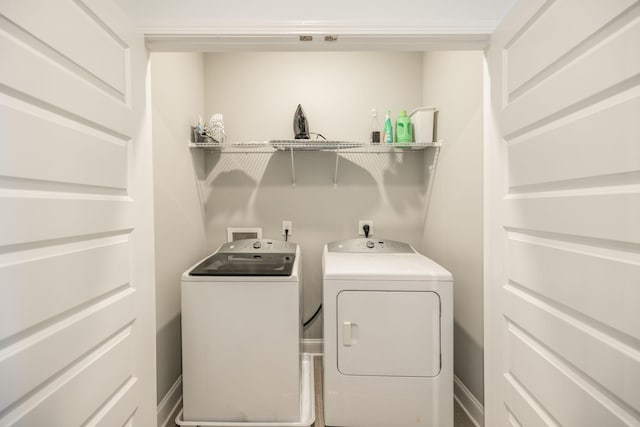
{"x": 494, "y": 184}
{"x": 284, "y": 36}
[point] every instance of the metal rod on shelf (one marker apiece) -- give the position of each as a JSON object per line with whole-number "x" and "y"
{"x": 335, "y": 172}
{"x": 293, "y": 168}
{"x": 432, "y": 175}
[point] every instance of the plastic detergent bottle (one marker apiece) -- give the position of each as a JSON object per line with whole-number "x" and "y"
{"x": 375, "y": 127}
{"x": 403, "y": 128}
{"x": 388, "y": 129}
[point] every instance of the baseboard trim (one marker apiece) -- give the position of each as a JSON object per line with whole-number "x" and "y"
{"x": 313, "y": 346}
{"x": 468, "y": 402}
{"x": 170, "y": 405}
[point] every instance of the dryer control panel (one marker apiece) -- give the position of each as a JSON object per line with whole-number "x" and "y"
{"x": 368, "y": 245}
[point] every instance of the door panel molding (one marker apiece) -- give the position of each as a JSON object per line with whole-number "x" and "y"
{"x": 77, "y": 319}
{"x": 562, "y": 343}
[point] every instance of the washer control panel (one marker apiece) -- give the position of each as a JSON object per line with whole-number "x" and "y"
{"x": 258, "y": 245}
{"x": 369, "y": 245}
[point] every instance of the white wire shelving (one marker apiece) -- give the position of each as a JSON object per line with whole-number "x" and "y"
{"x": 275, "y": 145}
{"x": 293, "y": 145}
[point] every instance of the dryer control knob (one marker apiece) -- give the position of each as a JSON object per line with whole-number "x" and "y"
{"x": 370, "y": 244}
{"x": 256, "y": 245}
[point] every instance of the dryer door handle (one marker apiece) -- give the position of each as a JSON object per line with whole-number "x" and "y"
{"x": 346, "y": 333}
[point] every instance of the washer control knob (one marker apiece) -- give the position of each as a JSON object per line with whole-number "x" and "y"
{"x": 256, "y": 245}
{"x": 370, "y": 244}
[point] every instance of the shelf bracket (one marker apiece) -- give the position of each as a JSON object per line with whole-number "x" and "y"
{"x": 293, "y": 169}
{"x": 432, "y": 174}
{"x": 335, "y": 172}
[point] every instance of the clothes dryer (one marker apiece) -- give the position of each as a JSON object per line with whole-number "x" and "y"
{"x": 388, "y": 320}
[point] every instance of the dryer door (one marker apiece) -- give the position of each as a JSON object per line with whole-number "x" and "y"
{"x": 395, "y": 333}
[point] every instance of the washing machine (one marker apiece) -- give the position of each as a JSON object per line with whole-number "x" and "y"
{"x": 241, "y": 330}
{"x": 388, "y": 336}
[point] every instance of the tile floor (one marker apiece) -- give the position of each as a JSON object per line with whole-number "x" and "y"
{"x": 460, "y": 418}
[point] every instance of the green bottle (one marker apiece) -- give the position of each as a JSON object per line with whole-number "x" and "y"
{"x": 403, "y": 128}
{"x": 388, "y": 129}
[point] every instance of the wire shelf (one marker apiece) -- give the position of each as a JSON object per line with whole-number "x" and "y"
{"x": 296, "y": 145}
{"x": 300, "y": 145}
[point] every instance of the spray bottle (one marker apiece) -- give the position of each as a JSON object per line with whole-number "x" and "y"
{"x": 388, "y": 129}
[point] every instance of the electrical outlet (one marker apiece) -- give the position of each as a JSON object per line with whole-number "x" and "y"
{"x": 287, "y": 225}
{"x": 362, "y": 223}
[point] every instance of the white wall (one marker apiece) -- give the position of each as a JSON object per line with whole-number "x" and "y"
{"x": 453, "y": 228}
{"x": 258, "y": 94}
{"x": 177, "y": 91}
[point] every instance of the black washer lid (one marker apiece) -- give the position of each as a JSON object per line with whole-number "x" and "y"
{"x": 250, "y": 257}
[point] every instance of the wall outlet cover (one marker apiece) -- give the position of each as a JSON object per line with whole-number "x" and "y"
{"x": 287, "y": 225}
{"x": 362, "y": 223}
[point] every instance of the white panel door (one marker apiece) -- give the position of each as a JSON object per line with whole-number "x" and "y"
{"x": 77, "y": 333}
{"x": 388, "y": 333}
{"x": 563, "y": 187}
